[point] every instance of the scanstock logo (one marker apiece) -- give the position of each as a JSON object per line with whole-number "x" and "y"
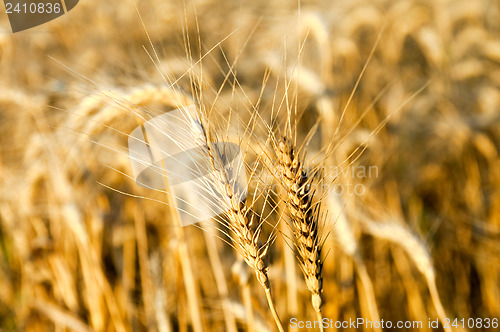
{"x": 26, "y": 14}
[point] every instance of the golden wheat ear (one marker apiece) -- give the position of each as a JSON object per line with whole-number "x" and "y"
{"x": 304, "y": 217}
{"x": 243, "y": 223}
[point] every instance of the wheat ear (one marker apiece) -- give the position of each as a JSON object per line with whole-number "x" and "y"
{"x": 304, "y": 218}
{"x": 244, "y": 224}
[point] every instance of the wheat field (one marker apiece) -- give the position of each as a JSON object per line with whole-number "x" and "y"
{"x": 369, "y": 134}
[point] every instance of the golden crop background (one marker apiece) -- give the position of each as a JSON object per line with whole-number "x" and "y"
{"x": 77, "y": 255}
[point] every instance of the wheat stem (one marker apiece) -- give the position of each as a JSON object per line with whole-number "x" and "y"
{"x": 319, "y": 315}
{"x": 273, "y": 310}
{"x": 431, "y": 281}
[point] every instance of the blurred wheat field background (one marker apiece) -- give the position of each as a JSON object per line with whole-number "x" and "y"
{"x": 416, "y": 237}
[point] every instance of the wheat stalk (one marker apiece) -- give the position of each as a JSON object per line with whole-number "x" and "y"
{"x": 304, "y": 218}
